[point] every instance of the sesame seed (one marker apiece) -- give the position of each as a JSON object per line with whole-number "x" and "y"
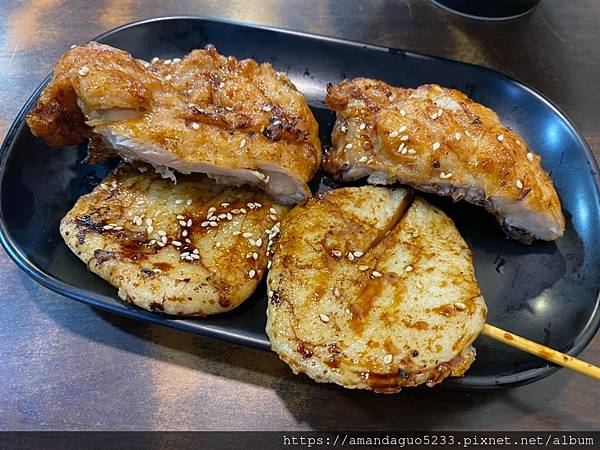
{"x": 243, "y": 210}
{"x": 150, "y": 229}
{"x": 445, "y": 175}
{"x": 236, "y": 233}
{"x": 324, "y": 317}
{"x": 436, "y": 145}
{"x": 252, "y": 242}
{"x": 189, "y": 222}
{"x": 154, "y": 60}
{"x": 500, "y": 137}
{"x": 183, "y": 223}
{"x": 176, "y": 243}
{"x": 402, "y": 146}
{"x": 194, "y": 256}
{"x": 387, "y": 359}
{"x": 363, "y": 159}
{"x": 348, "y": 146}
{"x": 530, "y": 156}
{"x": 350, "y": 256}
{"x": 251, "y": 273}
{"x": 402, "y": 112}
{"x": 107, "y": 227}
{"x": 258, "y": 205}
{"x": 519, "y": 184}
{"x": 402, "y": 129}
{"x": 376, "y": 274}
{"x": 344, "y": 128}
{"x": 272, "y": 210}
{"x": 358, "y": 254}
{"x": 195, "y": 251}
{"x": 411, "y": 151}
{"x": 362, "y": 126}
{"x": 336, "y": 292}
{"x": 161, "y": 232}
{"x": 148, "y": 222}
{"x": 255, "y": 256}
{"x": 168, "y": 77}
{"x": 404, "y": 138}
{"x": 212, "y": 223}
{"x": 205, "y": 223}
{"x": 433, "y": 116}
{"x": 460, "y": 306}
{"x": 224, "y": 204}
{"x": 164, "y": 239}
{"x": 184, "y": 254}
{"x": 179, "y": 216}
{"x": 235, "y": 211}
{"x": 408, "y": 269}
{"x": 394, "y": 134}
{"x": 404, "y": 151}
{"x": 229, "y": 216}
{"x": 218, "y": 245}
{"x": 178, "y": 202}
{"x": 221, "y": 85}
{"x": 273, "y": 217}
{"x": 212, "y": 209}
{"x": 156, "y": 270}
{"x": 267, "y": 108}
{"x": 336, "y": 253}
{"x": 161, "y": 244}
{"x": 222, "y": 216}
{"x": 269, "y": 264}
{"x": 176, "y": 60}
{"x": 457, "y": 136}
{"x": 259, "y": 242}
{"x": 242, "y": 143}
{"x": 439, "y": 112}
{"x": 188, "y": 201}
{"x": 363, "y": 268}
{"x": 247, "y": 235}
{"x": 83, "y": 71}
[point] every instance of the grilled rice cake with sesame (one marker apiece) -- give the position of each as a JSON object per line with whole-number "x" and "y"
{"x": 237, "y": 121}
{"x": 372, "y": 290}
{"x": 191, "y": 248}
{"x": 438, "y": 140}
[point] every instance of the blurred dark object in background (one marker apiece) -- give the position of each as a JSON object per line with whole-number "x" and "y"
{"x": 488, "y": 9}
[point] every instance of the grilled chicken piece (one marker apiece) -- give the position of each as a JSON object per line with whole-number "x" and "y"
{"x": 369, "y": 291}
{"x": 191, "y": 248}
{"x": 237, "y": 121}
{"x": 438, "y": 140}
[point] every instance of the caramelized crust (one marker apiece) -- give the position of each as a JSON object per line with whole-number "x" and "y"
{"x": 191, "y": 248}
{"x": 369, "y": 291}
{"x": 238, "y": 121}
{"x": 438, "y": 140}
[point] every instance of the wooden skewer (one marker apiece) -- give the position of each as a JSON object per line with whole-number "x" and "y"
{"x": 542, "y": 351}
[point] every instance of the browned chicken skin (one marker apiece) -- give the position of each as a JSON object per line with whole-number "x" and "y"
{"x": 438, "y": 140}
{"x": 237, "y": 121}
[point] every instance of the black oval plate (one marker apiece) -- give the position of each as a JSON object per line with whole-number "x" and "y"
{"x": 547, "y": 292}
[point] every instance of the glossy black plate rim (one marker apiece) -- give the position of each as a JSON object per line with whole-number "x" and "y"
{"x": 100, "y": 301}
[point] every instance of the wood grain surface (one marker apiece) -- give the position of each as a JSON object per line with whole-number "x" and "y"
{"x": 65, "y": 366}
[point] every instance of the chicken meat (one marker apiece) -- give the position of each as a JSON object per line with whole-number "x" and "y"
{"x": 237, "y": 121}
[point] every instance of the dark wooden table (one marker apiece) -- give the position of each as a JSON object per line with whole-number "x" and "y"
{"x": 65, "y": 366}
